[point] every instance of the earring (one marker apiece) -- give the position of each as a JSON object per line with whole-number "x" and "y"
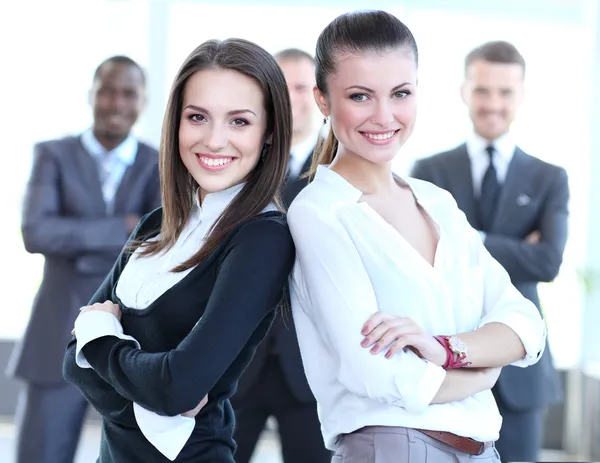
{"x": 325, "y": 119}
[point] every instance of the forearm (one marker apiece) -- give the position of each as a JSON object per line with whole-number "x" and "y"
{"x": 462, "y": 383}
{"x": 492, "y": 345}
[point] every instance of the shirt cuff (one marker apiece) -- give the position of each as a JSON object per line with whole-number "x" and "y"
{"x": 93, "y": 325}
{"x": 168, "y": 434}
{"x": 532, "y": 334}
{"x": 424, "y": 390}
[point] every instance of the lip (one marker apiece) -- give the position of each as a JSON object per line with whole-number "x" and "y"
{"x": 204, "y": 159}
{"x": 380, "y": 142}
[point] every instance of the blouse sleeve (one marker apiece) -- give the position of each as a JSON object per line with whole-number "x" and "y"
{"x": 337, "y": 296}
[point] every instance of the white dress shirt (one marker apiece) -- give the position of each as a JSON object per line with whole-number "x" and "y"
{"x": 504, "y": 149}
{"x": 350, "y": 263}
{"x": 299, "y": 154}
{"x": 143, "y": 280}
{"x": 111, "y": 164}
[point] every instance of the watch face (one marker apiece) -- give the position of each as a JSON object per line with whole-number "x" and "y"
{"x": 457, "y": 345}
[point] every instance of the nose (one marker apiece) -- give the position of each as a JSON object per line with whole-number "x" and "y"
{"x": 383, "y": 114}
{"x": 216, "y": 138}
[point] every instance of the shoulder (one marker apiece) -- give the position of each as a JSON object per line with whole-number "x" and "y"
{"x": 269, "y": 228}
{"x": 317, "y": 199}
{"x": 545, "y": 169}
{"x": 146, "y": 150}
{"x": 441, "y": 157}
{"x": 56, "y": 147}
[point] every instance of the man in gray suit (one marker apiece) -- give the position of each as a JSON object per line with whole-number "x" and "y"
{"x": 84, "y": 197}
{"x": 519, "y": 204}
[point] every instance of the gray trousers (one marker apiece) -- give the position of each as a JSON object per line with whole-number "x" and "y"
{"x": 386, "y": 444}
{"x": 49, "y": 421}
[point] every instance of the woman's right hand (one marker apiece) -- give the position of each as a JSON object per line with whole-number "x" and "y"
{"x": 195, "y": 411}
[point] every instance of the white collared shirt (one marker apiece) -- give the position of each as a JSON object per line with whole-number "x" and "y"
{"x": 504, "y": 149}
{"x": 299, "y": 154}
{"x": 143, "y": 280}
{"x": 111, "y": 164}
{"x": 350, "y": 263}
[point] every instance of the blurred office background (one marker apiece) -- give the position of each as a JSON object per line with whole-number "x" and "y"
{"x": 49, "y": 51}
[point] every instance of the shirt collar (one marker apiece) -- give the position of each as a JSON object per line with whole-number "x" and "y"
{"x": 125, "y": 152}
{"x": 215, "y": 203}
{"x": 504, "y": 146}
{"x": 338, "y": 183}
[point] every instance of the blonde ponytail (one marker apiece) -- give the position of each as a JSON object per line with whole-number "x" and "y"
{"x": 324, "y": 153}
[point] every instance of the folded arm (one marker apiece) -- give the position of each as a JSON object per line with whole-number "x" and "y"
{"x": 248, "y": 287}
{"x": 46, "y": 231}
{"x": 335, "y": 292}
{"x": 541, "y": 261}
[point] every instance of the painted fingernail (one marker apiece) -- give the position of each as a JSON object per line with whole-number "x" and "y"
{"x": 375, "y": 349}
{"x": 365, "y": 342}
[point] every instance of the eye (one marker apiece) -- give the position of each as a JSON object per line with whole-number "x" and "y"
{"x": 401, "y": 94}
{"x": 239, "y": 122}
{"x": 358, "y": 97}
{"x": 196, "y": 118}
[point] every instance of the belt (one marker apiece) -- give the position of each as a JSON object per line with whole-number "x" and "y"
{"x": 464, "y": 444}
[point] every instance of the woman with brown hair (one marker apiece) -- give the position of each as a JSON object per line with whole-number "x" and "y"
{"x": 159, "y": 350}
{"x": 403, "y": 318}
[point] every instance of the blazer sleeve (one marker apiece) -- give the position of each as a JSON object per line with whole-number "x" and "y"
{"x": 98, "y": 392}
{"x": 541, "y": 261}
{"x": 249, "y": 286}
{"x": 46, "y": 231}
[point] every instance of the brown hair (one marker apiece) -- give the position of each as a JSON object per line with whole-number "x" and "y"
{"x": 263, "y": 184}
{"x": 355, "y": 32}
{"x": 293, "y": 54}
{"x": 496, "y": 52}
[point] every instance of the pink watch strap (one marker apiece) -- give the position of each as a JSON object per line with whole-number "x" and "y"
{"x": 452, "y": 360}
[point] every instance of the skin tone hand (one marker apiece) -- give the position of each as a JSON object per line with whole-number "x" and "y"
{"x": 107, "y": 306}
{"x": 533, "y": 238}
{"x": 195, "y": 411}
{"x": 382, "y": 330}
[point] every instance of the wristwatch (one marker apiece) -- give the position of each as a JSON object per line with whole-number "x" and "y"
{"x": 456, "y": 351}
{"x": 457, "y": 346}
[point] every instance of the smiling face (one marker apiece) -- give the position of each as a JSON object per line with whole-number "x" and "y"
{"x": 493, "y": 92}
{"x": 117, "y": 98}
{"x": 222, "y": 128}
{"x": 372, "y": 102}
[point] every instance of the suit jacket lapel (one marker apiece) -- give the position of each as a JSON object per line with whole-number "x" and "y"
{"x": 512, "y": 188}
{"x": 461, "y": 180}
{"x": 88, "y": 167}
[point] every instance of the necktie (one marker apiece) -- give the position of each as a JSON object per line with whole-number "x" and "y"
{"x": 490, "y": 192}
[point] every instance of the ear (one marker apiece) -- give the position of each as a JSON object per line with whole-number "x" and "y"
{"x": 321, "y": 101}
{"x": 269, "y": 139}
{"x": 463, "y": 92}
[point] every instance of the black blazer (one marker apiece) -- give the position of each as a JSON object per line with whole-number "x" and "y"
{"x": 534, "y": 196}
{"x": 283, "y": 330}
{"x": 65, "y": 220}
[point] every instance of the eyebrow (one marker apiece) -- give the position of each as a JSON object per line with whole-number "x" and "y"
{"x": 367, "y": 89}
{"x": 229, "y": 113}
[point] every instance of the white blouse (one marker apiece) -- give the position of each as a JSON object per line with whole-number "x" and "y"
{"x": 351, "y": 263}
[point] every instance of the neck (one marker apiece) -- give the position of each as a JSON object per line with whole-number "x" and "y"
{"x": 299, "y": 136}
{"x": 109, "y": 142}
{"x": 369, "y": 177}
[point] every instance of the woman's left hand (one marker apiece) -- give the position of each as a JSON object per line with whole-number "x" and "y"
{"x": 399, "y": 333}
{"x": 107, "y": 306}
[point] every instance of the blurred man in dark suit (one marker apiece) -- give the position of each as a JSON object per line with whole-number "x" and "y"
{"x": 85, "y": 195}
